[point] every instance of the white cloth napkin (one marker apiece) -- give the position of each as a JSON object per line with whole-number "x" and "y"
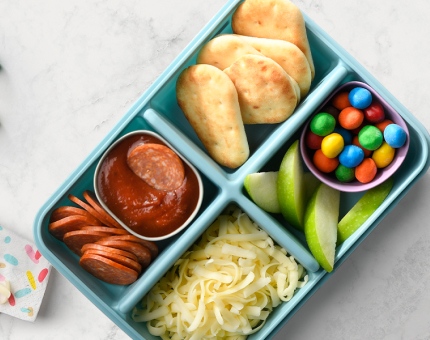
{"x": 24, "y": 275}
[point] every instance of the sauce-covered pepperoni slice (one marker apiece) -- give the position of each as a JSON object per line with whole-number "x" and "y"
{"x": 157, "y": 165}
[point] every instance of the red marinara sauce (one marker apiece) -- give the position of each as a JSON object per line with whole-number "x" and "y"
{"x": 144, "y": 209}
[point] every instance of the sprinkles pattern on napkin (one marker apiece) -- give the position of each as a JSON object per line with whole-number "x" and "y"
{"x": 23, "y": 268}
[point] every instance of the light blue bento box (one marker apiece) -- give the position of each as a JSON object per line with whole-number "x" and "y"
{"x": 157, "y": 110}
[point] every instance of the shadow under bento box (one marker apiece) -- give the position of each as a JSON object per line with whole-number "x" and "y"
{"x": 157, "y": 110}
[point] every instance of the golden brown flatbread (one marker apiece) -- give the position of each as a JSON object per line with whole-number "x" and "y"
{"x": 274, "y": 19}
{"x": 210, "y": 102}
{"x": 288, "y": 55}
{"x": 266, "y": 92}
{"x": 224, "y": 50}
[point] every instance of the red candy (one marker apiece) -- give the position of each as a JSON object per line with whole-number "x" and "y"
{"x": 313, "y": 141}
{"x": 374, "y": 113}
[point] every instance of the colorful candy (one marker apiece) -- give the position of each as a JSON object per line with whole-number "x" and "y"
{"x": 384, "y": 155}
{"x": 360, "y": 97}
{"x": 332, "y": 145}
{"x": 374, "y": 113}
{"x": 323, "y": 163}
{"x": 341, "y": 100}
{"x": 313, "y": 141}
{"x": 322, "y": 124}
{"x": 366, "y": 171}
{"x": 346, "y": 135}
{"x": 351, "y": 156}
{"x": 352, "y": 138}
{"x": 395, "y": 136}
{"x": 344, "y": 174}
{"x": 370, "y": 137}
{"x": 382, "y": 125}
{"x": 350, "y": 118}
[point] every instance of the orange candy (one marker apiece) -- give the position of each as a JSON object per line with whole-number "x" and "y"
{"x": 341, "y": 101}
{"x": 382, "y": 125}
{"x": 366, "y": 171}
{"x": 323, "y": 163}
{"x": 350, "y": 118}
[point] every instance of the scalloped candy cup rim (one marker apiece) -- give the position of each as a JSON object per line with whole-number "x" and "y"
{"x": 131, "y": 231}
{"x": 383, "y": 173}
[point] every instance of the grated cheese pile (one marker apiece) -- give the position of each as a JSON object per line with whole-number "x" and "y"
{"x": 225, "y": 286}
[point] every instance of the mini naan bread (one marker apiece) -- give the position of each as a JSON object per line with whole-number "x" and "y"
{"x": 224, "y": 50}
{"x": 274, "y": 19}
{"x": 209, "y": 100}
{"x": 266, "y": 92}
{"x": 288, "y": 55}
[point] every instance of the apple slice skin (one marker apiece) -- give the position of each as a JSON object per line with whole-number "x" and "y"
{"x": 362, "y": 210}
{"x": 320, "y": 225}
{"x": 291, "y": 190}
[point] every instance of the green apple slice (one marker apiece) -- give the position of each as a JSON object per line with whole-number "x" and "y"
{"x": 320, "y": 224}
{"x": 261, "y": 187}
{"x": 291, "y": 190}
{"x": 363, "y": 209}
{"x": 310, "y": 183}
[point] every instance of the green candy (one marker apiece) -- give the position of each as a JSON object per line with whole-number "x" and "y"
{"x": 344, "y": 174}
{"x": 322, "y": 124}
{"x": 370, "y": 137}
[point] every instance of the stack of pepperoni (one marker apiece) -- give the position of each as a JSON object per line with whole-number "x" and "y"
{"x": 106, "y": 249}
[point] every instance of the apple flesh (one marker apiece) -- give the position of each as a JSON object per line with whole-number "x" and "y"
{"x": 262, "y": 187}
{"x": 320, "y": 225}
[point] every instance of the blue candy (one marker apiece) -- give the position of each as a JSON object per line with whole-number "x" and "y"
{"x": 347, "y": 135}
{"x": 395, "y": 136}
{"x": 351, "y": 156}
{"x": 360, "y": 97}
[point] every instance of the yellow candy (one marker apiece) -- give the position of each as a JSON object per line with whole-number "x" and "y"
{"x": 332, "y": 145}
{"x": 384, "y": 155}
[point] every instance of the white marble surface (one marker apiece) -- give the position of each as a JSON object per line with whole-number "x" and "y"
{"x": 71, "y": 69}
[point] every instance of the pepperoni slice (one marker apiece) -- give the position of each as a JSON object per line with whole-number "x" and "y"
{"x": 66, "y": 211}
{"x": 94, "y": 246}
{"x": 91, "y": 210}
{"x": 107, "y": 230}
{"x": 152, "y": 247}
{"x": 107, "y": 270}
{"x": 77, "y": 238}
{"x": 125, "y": 261}
{"x": 106, "y": 218}
{"x": 157, "y": 165}
{"x": 142, "y": 253}
{"x": 75, "y": 222}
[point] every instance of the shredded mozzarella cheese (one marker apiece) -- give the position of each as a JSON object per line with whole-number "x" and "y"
{"x": 225, "y": 286}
